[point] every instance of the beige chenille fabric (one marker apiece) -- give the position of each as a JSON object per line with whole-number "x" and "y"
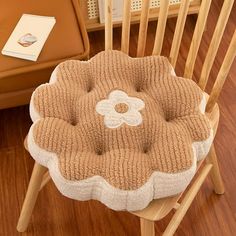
{"x": 118, "y": 129}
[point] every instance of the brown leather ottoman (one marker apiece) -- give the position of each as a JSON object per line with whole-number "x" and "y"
{"x": 67, "y": 40}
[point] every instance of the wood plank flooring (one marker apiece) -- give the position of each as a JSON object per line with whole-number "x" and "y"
{"x": 55, "y": 214}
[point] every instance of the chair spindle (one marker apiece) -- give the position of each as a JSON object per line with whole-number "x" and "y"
{"x": 108, "y": 24}
{"x": 197, "y": 36}
{"x": 126, "y": 26}
{"x": 161, "y": 25}
{"x": 215, "y": 42}
{"x": 179, "y": 29}
{"x": 143, "y": 28}
{"x": 222, "y": 75}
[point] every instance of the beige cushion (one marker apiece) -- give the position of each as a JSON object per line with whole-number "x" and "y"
{"x": 120, "y": 130}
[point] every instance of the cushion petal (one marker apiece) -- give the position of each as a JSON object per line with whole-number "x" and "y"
{"x": 113, "y": 120}
{"x": 132, "y": 117}
{"x": 104, "y": 107}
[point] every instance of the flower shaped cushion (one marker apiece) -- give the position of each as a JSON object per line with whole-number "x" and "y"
{"x": 120, "y": 130}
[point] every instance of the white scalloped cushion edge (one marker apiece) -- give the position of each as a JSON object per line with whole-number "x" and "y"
{"x": 203, "y": 147}
{"x": 159, "y": 185}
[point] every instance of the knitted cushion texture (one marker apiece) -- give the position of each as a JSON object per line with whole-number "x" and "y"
{"x": 118, "y": 129}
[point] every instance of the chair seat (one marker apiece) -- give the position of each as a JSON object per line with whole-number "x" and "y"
{"x": 120, "y": 130}
{"x": 68, "y": 39}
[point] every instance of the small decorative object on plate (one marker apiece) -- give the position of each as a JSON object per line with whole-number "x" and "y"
{"x": 27, "y": 40}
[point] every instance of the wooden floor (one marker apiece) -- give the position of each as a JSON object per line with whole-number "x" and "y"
{"x": 55, "y": 214}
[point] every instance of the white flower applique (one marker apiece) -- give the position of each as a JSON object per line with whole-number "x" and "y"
{"x": 119, "y": 108}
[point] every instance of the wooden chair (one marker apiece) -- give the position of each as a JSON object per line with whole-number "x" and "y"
{"x": 158, "y": 209}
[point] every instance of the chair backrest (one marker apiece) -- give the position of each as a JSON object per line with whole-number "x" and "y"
{"x": 177, "y": 38}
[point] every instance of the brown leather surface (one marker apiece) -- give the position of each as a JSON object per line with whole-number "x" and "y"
{"x": 67, "y": 40}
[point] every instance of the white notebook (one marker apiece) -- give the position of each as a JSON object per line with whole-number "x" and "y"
{"x": 29, "y": 36}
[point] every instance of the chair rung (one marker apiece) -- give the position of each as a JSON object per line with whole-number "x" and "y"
{"x": 176, "y": 206}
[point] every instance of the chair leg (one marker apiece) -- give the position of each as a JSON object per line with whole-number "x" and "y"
{"x": 215, "y": 172}
{"x": 45, "y": 180}
{"x": 147, "y": 227}
{"x": 31, "y": 196}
